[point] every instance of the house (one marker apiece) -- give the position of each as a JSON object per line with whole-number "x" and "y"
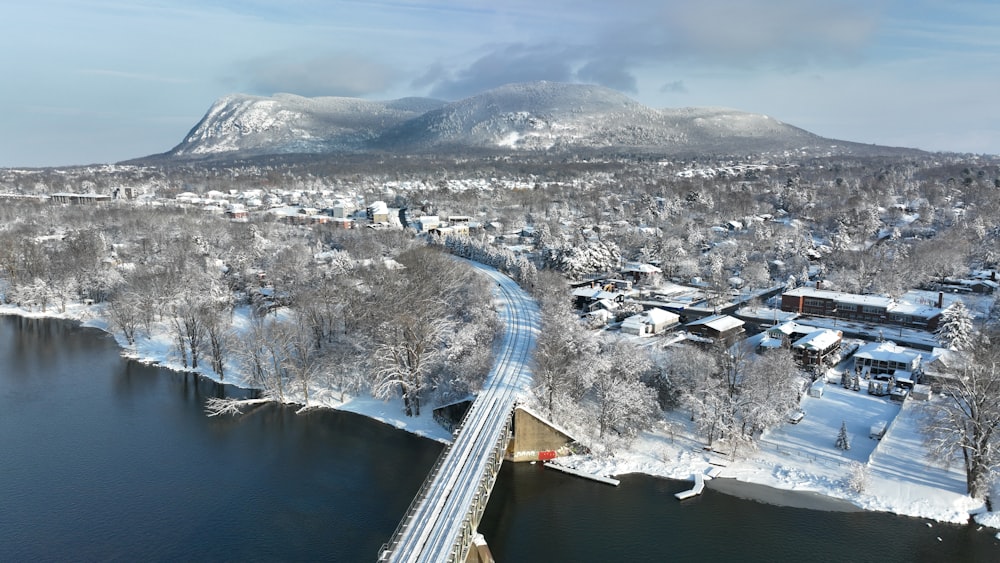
{"x": 236, "y": 211}
{"x": 378, "y": 212}
{"x": 818, "y": 347}
{"x": 641, "y": 272}
{"x": 583, "y": 297}
{"x": 653, "y": 321}
{"x": 427, "y": 222}
{"x": 721, "y": 328}
{"x": 943, "y": 366}
{"x": 887, "y": 359}
{"x": 788, "y": 332}
{"x": 861, "y": 308}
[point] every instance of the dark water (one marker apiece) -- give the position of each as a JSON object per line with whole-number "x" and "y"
{"x": 537, "y": 514}
{"x": 105, "y": 459}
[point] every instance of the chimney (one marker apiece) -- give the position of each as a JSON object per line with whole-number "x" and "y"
{"x": 993, "y": 275}
{"x": 940, "y": 300}
{"x": 819, "y": 284}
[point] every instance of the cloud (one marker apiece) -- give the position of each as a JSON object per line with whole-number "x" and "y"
{"x": 785, "y": 32}
{"x": 675, "y": 87}
{"x": 612, "y": 73}
{"x": 502, "y": 65}
{"x": 329, "y": 75}
{"x": 646, "y": 34}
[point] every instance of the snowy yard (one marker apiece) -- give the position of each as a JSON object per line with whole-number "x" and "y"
{"x": 802, "y": 457}
{"x": 813, "y": 438}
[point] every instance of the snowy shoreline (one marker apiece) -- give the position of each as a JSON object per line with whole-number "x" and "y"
{"x": 670, "y": 451}
{"x": 156, "y": 349}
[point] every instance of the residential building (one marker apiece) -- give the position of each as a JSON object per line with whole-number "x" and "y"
{"x": 860, "y": 308}
{"x": 886, "y": 358}
{"x": 721, "y": 328}
{"x": 818, "y": 347}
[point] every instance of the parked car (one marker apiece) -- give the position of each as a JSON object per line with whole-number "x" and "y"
{"x": 796, "y": 416}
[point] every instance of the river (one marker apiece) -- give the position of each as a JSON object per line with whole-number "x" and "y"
{"x": 102, "y": 458}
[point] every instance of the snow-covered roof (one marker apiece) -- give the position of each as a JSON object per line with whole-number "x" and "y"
{"x": 378, "y": 207}
{"x": 841, "y": 297}
{"x": 821, "y": 339}
{"x": 720, "y": 323}
{"x": 641, "y": 268}
{"x": 886, "y": 352}
{"x": 659, "y": 316}
{"x": 768, "y": 342}
{"x": 635, "y": 321}
{"x": 790, "y": 327}
{"x": 594, "y": 293}
{"x": 913, "y": 309}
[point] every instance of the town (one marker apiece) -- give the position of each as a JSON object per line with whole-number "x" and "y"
{"x": 742, "y": 332}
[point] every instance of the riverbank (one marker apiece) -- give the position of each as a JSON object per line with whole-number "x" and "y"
{"x": 157, "y": 348}
{"x": 901, "y": 482}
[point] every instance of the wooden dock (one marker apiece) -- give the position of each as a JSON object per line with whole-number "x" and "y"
{"x": 699, "y": 486}
{"x": 591, "y": 476}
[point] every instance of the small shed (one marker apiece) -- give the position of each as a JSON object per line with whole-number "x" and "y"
{"x": 817, "y": 388}
{"x": 877, "y": 430}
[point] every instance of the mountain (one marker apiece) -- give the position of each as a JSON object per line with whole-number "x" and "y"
{"x": 533, "y": 116}
{"x": 285, "y": 123}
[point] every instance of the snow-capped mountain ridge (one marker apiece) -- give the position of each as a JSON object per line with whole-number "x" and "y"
{"x": 286, "y": 123}
{"x": 529, "y": 116}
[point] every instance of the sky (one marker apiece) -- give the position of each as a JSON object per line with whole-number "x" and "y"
{"x": 100, "y": 81}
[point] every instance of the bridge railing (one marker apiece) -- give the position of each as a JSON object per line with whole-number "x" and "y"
{"x": 470, "y": 523}
{"x": 387, "y": 548}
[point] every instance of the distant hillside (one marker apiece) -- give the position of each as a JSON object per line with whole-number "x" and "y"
{"x": 284, "y": 123}
{"x": 538, "y": 116}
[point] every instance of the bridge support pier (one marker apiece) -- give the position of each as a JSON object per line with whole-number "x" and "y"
{"x": 480, "y": 551}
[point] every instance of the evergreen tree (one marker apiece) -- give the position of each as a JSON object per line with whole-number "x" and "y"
{"x": 843, "y": 441}
{"x": 955, "y": 331}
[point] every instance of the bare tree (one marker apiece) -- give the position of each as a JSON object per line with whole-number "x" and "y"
{"x": 624, "y": 403}
{"x": 125, "y": 312}
{"x": 564, "y": 357}
{"x": 415, "y": 315}
{"x": 965, "y": 418}
{"x": 768, "y": 390}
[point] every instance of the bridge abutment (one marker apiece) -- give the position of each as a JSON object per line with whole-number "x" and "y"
{"x": 535, "y": 438}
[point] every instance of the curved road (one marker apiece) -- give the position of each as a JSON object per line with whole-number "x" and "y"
{"x": 433, "y": 524}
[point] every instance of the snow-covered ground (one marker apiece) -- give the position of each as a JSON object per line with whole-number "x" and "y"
{"x": 798, "y": 457}
{"x": 802, "y": 457}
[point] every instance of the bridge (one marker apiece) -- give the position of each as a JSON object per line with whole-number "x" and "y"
{"x": 441, "y": 523}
